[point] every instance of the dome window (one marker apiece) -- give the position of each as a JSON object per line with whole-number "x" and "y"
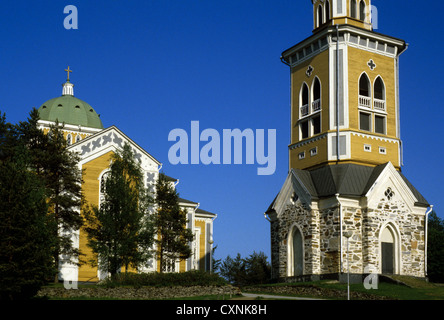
{"x": 77, "y": 107}
{"x": 44, "y": 107}
{"x": 60, "y": 105}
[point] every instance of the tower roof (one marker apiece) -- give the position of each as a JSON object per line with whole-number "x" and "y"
{"x": 69, "y": 109}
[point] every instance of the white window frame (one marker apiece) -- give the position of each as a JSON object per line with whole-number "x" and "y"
{"x": 313, "y": 151}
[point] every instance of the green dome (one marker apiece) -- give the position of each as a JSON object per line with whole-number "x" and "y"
{"x": 70, "y": 110}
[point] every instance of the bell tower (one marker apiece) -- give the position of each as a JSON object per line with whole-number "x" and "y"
{"x": 345, "y": 156}
{"x": 344, "y": 89}
{"x": 331, "y": 12}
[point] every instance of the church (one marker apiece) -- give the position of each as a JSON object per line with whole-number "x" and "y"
{"x": 345, "y": 205}
{"x": 86, "y": 135}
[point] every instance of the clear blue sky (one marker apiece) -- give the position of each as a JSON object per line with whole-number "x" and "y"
{"x": 152, "y": 66}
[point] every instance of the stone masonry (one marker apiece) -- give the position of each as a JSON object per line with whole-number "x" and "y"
{"x": 322, "y": 242}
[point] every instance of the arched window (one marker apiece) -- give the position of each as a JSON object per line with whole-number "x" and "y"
{"x": 362, "y": 10}
{"x": 353, "y": 12}
{"x": 304, "y": 100}
{"x": 364, "y": 86}
{"x": 69, "y": 139}
{"x": 365, "y": 100}
{"x": 379, "y": 89}
{"x": 316, "y": 104}
{"x": 103, "y": 179}
{"x": 379, "y": 94}
{"x": 320, "y": 16}
{"x": 327, "y": 11}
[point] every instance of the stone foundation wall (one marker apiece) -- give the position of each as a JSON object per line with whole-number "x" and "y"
{"x": 280, "y": 228}
{"x": 410, "y": 230}
{"x": 321, "y": 235}
{"x": 224, "y": 292}
{"x": 329, "y": 234}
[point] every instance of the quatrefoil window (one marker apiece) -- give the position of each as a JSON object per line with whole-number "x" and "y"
{"x": 389, "y": 193}
{"x": 309, "y": 71}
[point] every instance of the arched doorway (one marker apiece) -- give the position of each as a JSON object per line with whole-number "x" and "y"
{"x": 388, "y": 250}
{"x": 295, "y": 253}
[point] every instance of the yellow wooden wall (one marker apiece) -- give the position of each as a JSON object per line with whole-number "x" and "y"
{"x": 385, "y": 68}
{"x": 90, "y": 187}
{"x": 320, "y": 64}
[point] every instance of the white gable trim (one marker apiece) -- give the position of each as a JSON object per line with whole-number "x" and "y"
{"x": 390, "y": 177}
{"x": 112, "y": 139}
{"x": 291, "y": 185}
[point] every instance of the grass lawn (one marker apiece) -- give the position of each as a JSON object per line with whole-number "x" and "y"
{"x": 413, "y": 290}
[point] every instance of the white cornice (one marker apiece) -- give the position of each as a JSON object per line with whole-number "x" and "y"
{"x": 69, "y": 127}
{"x": 398, "y": 43}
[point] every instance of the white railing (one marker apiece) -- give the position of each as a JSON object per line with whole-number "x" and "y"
{"x": 379, "y": 104}
{"x": 316, "y": 105}
{"x": 365, "y": 101}
{"x": 304, "y": 110}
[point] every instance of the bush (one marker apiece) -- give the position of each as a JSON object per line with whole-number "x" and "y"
{"x": 435, "y": 249}
{"x": 156, "y": 279}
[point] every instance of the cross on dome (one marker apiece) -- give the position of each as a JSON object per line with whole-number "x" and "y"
{"x": 68, "y": 87}
{"x": 68, "y": 71}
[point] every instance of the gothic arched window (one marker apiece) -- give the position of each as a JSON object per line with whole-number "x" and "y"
{"x": 304, "y": 100}
{"x": 379, "y": 94}
{"x": 353, "y": 12}
{"x": 362, "y": 10}
{"x": 327, "y": 11}
{"x": 320, "y": 16}
{"x": 364, "y": 86}
{"x": 103, "y": 179}
{"x": 316, "y": 104}
{"x": 379, "y": 89}
{"x": 365, "y": 118}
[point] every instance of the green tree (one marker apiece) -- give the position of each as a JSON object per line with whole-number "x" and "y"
{"x": 120, "y": 231}
{"x": 215, "y": 262}
{"x": 239, "y": 271}
{"x": 26, "y": 259}
{"x": 233, "y": 270}
{"x": 435, "y": 249}
{"x": 58, "y": 169}
{"x": 170, "y": 221}
{"x": 35, "y": 140}
{"x": 258, "y": 269}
